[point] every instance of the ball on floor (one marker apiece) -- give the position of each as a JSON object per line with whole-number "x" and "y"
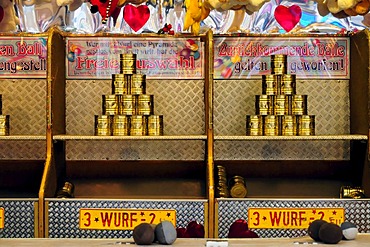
{"x": 143, "y": 234}
{"x": 165, "y": 233}
{"x": 314, "y": 228}
{"x": 330, "y": 233}
{"x": 349, "y": 230}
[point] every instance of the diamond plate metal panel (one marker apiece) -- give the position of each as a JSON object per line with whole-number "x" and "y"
{"x": 63, "y": 215}
{"x": 282, "y": 150}
{"x": 135, "y": 150}
{"x": 25, "y": 101}
{"x": 181, "y": 102}
{"x": 22, "y": 150}
{"x": 356, "y": 211}
{"x": 19, "y": 218}
{"x": 328, "y": 100}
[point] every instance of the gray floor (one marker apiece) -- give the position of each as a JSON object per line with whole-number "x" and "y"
{"x": 362, "y": 240}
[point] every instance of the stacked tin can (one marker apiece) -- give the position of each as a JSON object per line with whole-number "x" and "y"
{"x": 4, "y": 120}
{"x": 128, "y": 110}
{"x": 221, "y": 178}
{"x": 279, "y": 110}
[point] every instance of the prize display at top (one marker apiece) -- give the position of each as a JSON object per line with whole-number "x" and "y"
{"x": 185, "y": 16}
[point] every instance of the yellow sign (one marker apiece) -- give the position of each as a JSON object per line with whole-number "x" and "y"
{"x": 292, "y": 218}
{"x": 1, "y": 218}
{"x": 122, "y": 219}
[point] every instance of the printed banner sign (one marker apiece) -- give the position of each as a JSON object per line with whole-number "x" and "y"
{"x": 122, "y": 219}
{"x": 307, "y": 57}
{"x": 1, "y": 218}
{"x": 161, "y": 58}
{"x": 23, "y": 57}
{"x": 292, "y": 218}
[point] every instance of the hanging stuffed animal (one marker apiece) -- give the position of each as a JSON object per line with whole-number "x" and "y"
{"x": 196, "y": 11}
{"x": 343, "y": 8}
{"x": 8, "y": 18}
{"x": 111, "y": 8}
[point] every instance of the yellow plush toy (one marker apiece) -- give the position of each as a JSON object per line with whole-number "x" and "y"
{"x": 343, "y": 8}
{"x": 196, "y": 12}
{"x": 9, "y": 20}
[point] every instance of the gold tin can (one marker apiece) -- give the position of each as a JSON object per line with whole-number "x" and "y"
{"x": 4, "y": 125}
{"x": 288, "y": 125}
{"x": 288, "y": 104}
{"x": 270, "y": 125}
{"x": 279, "y": 104}
{"x": 1, "y": 104}
{"x": 138, "y": 84}
{"x": 145, "y": 104}
{"x": 128, "y": 63}
{"x": 238, "y": 188}
{"x": 279, "y": 64}
{"x": 352, "y": 192}
{"x": 262, "y": 104}
{"x": 299, "y": 104}
{"x": 269, "y": 84}
{"x": 288, "y": 84}
{"x": 155, "y": 125}
{"x": 103, "y": 125}
{"x": 121, "y": 125}
{"x": 138, "y": 126}
{"x": 119, "y": 84}
{"x": 253, "y": 125}
{"x": 306, "y": 125}
{"x": 111, "y": 103}
{"x": 128, "y": 105}
{"x": 67, "y": 191}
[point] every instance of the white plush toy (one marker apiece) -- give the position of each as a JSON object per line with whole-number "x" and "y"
{"x": 9, "y": 20}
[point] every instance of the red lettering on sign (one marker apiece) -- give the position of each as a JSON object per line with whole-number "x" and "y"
{"x": 133, "y": 218}
{"x": 106, "y": 219}
{"x": 125, "y": 218}
{"x": 275, "y": 219}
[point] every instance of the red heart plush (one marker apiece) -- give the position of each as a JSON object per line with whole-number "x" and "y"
{"x": 288, "y": 17}
{"x": 136, "y": 17}
{"x": 239, "y": 229}
{"x": 1, "y": 13}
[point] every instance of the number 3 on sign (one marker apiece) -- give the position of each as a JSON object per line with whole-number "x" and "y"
{"x": 256, "y": 218}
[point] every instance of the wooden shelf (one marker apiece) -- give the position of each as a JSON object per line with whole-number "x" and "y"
{"x": 292, "y": 138}
{"x": 131, "y": 138}
{"x": 23, "y": 138}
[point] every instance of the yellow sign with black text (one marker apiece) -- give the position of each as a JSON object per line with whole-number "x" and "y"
{"x": 122, "y": 219}
{"x": 292, "y": 218}
{"x": 1, "y": 218}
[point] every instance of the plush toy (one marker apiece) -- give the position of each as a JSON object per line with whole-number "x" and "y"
{"x": 343, "y": 8}
{"x": 59, "y": 3}
{"x": 196, "y": 11}
{"x": 8, "y": 18}
{"x": 123, "y": 2}
{"x": 250, "y": 6}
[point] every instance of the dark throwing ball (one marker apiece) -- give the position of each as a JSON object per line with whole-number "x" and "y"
{"x": 330, "y": 233}
{"x": 314, "y": 228}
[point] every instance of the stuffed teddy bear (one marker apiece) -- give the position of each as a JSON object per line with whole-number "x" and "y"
{"x": 9, "y": 20}
{"x": 196, "y": 11}
{"x": 249, "y": 5}
{"x": 343, "y": 8}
